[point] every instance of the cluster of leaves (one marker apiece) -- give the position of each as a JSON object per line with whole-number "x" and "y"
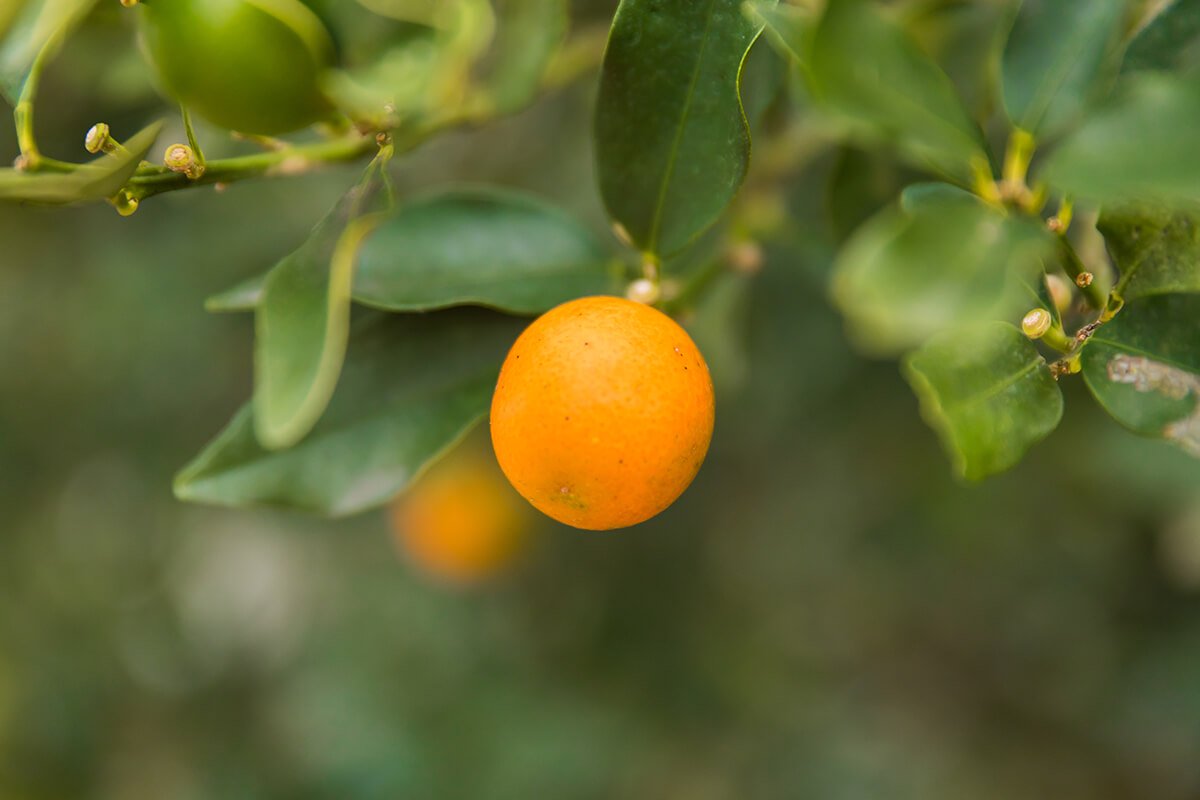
{"x": 349, "y": 405}
{"x": 944, "y": 272}
{"x": 345, "y": 412}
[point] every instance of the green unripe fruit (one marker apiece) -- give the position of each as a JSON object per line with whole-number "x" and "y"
{"x": 252, "y": 66}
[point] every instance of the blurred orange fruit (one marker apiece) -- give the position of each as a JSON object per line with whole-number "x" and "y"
{"x": 461, "y": 522}
{"x": 603, "y": 413}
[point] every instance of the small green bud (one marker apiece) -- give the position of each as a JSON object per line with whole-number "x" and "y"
{"x": 1036, "y": 323}
{"x": 180, "y": 158}
{"x": 98, "y": 138}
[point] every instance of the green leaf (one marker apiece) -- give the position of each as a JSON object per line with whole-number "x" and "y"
{"x": 866, "y": 68}
{"x": 1059, "y": 56}
{"x": 528, "y": 34}
{"x": 1157, "y": 251}
{"x": 929, "y": 194}
{"x": 484, "y": 247}
{"x": 938, "y": 261}
{"x": 1144, "y": 368}
{"x": 965, "y": 39}
{"x": 672, "y": 142}
{"x": 33, "y": 24}
{"x": 412, "y": 385}
{"x": 303, "y": 320}
{"x": 10, "y": 10}
{"x": 499, "y": 249}
{"x": 98, "y": 180}
{"x": 1169, "y": 42}
{"x": 988, "y": 394}
{"x": 1141, "y": 146}
{"x": 422, "y": 74}
{"x": 789, "y": 30}
{"x": 245, "y": 296}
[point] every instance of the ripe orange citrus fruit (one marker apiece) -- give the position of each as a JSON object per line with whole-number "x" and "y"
{"x": 461, "y": 522}
{"x": 603, "y": 413}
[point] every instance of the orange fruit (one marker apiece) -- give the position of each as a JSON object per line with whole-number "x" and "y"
{"x": 461, "y": 522}
{"x": 603, "y": 413}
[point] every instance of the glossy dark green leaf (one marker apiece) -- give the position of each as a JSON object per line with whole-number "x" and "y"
{"x": 1157, "y": 251}
{"x": 411, "y": 386}
{"x": 1144, "y": 368}
{"x": 988, "y": 394}
{"x": 31, "y": 25}
{"x": 1170, "y": 41}
{"x": 866, "y": 68}
{"x": 302, "y": 320}
{"x": 98, "y": 180}
{"x": 500, "y": 249}
{"x": 935, "y": 263}
{"x": 672, "y": 143}
{"x": 484, "y": 247}
{"x": 1141, "y": 146}
{"x": 1059, "y": 56}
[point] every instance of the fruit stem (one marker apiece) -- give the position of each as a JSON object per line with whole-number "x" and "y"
{"x": 153, "y": 180}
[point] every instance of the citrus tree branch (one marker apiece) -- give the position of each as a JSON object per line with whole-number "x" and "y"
{"x": 152, "y": 180}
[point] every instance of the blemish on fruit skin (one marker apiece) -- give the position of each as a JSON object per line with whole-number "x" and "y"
{"x": 569, "y": 498}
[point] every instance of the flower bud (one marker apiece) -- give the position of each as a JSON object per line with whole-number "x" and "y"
{"x": 180, "y": 158}
{"x": 1036, "y": 323}
{"x": 98, "y": 138}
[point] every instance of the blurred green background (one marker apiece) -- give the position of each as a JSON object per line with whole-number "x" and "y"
{"x": 825, "y": 614}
